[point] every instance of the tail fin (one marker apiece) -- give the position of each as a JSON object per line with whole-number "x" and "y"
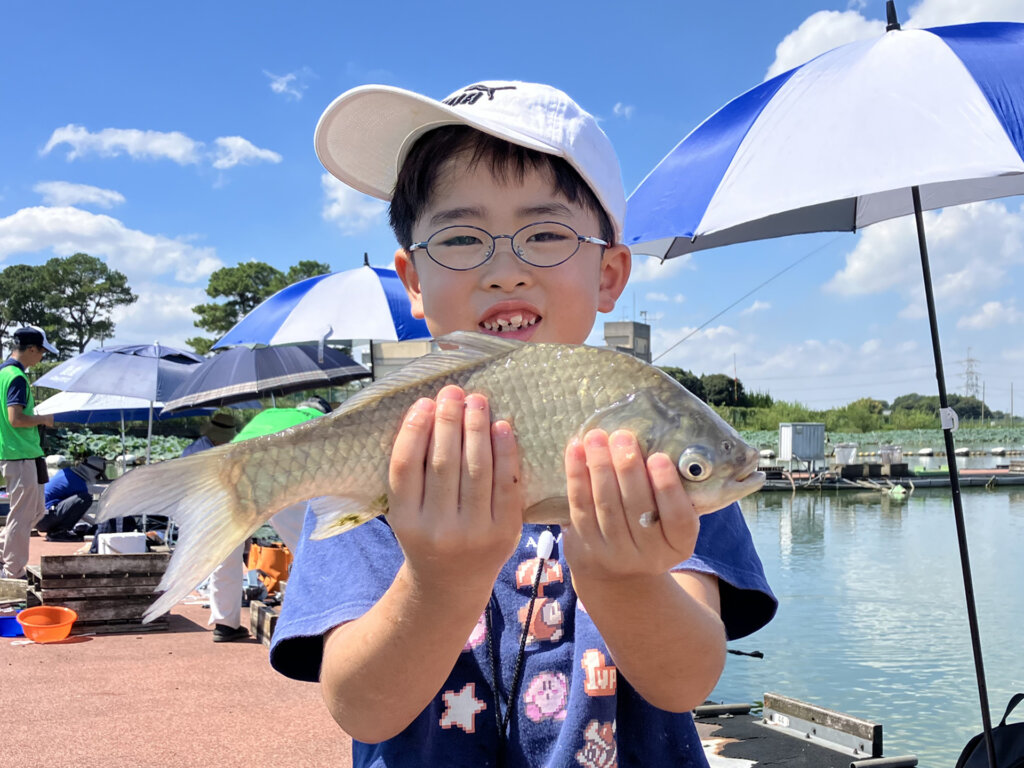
{"x": 210, "y": 525}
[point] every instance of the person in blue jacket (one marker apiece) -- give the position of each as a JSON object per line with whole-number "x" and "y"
{"x": 68, "y": 496}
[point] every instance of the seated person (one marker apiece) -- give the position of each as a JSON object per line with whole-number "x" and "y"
{"x": 68, "y": 496}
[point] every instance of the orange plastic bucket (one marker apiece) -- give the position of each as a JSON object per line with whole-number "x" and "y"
{"x": 47, "y": 623}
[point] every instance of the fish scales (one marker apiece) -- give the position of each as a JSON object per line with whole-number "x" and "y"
{"x": 339, "y": 463}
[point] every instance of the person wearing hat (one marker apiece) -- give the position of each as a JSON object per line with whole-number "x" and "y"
{"x": 220, "y": 429}
{"x": 507, "y": 205}
{"x": 226, "y": 580}
{"x": 21, "y": 451}
{"x": 68, "y": 496}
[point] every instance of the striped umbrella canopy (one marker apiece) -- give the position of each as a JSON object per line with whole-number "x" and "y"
{"x": 914, "y": 120}
{"x": 244, "y": 373}
{"x": 362, "y": 303}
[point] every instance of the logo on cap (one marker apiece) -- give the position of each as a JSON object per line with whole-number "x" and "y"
{"x": 471, "y": 94}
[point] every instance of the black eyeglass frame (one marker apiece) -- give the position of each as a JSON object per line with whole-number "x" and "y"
{"x": 580, "y": 240}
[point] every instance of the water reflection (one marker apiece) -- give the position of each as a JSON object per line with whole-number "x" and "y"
{"x": 872, "y": 618}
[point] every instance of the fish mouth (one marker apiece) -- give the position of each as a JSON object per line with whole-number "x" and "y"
{"x": 749, "y": 476}
{"x": 510, "y": 320}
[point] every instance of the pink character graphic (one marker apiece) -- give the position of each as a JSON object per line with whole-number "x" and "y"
{"x": 546, "y": 697}
{"x": 477, "y": 635}
{"x": 599, "y": 747}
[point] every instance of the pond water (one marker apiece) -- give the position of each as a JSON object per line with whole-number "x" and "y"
{"x": 872, "y": 618}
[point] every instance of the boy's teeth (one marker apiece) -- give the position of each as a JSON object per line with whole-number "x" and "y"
{"x": 513, "y": 323}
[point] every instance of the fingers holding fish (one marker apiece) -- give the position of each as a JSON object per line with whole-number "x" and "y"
{"x": 506, "y": 489}
{"x": 444, "y": 458}
{"x": 678, "y": 521}
{"x": 611, "y": 490}
{"x": 406, "y": 475}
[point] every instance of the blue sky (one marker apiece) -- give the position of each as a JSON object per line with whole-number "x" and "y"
{"x": 172, "y": 139}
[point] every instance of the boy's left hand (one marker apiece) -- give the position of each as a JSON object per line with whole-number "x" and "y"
{"x": 610, "y": 489}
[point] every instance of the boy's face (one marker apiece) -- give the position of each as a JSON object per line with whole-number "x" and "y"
{"x": 554, "y": 304}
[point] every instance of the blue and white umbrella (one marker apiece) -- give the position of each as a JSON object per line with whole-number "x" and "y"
{"x": 89, "y": 408}
{"x": 363, "y": 303}
{"x": 840, "y": 142}
{"x": 150, "y": 372}
{"x": 915, "y": 120}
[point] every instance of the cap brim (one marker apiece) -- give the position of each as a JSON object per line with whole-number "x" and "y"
{"x": 362, "y": 138}
{"x": 50, "y": 348}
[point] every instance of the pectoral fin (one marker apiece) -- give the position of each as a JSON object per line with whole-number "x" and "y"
{"x": 550, "y": 511}
{"x": 641, "y": 412}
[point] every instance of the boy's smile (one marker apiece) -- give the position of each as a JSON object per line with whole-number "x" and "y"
{"x": 505, "y": 296}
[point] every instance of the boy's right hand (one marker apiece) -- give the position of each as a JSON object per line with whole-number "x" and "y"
{"x": 454, "y": 500}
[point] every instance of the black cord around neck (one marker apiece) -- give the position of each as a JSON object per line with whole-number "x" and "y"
{"x": 517, "y": 672}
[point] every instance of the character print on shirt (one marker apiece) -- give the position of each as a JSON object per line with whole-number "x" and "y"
{"x": 600, "y": 677}
{"x": 461, "y": 709}
{"x": 546, "y": 621}
{"x": 546, "y": 697}
{"x": 478, "y": 635}
{"x": 599, "y": 747}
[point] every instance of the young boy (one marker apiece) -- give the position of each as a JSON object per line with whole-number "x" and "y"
{"x": 449, "y": 633}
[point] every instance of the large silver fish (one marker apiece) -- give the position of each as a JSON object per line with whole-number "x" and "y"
{"x": 549, "y": 392}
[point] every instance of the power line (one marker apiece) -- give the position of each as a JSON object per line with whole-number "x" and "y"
{"x": 753, "y": 290}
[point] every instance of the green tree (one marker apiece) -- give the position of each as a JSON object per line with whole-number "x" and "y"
{"x": 83, "y": 292}
{"x": 23, "y": 300}
{"x": 688, "y": 379}
{"x": 243, "y": 287}
{"x": 304, "y": 269}
{"x": 720, "y": 389}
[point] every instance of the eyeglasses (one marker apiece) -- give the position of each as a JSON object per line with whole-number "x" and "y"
{"x": 541, "y": 244}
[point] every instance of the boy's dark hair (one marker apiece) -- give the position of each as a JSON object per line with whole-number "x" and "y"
{"x": 418, "y": 174}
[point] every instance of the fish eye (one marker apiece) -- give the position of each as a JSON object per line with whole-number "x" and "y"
{"x": 694, "y": 466}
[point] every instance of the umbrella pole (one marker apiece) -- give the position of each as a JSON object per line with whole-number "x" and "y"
{"x": 954, "y": 482}
{"x": 149, "y": 440}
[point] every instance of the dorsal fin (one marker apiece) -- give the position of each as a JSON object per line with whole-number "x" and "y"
{"x": 459, "y": 350}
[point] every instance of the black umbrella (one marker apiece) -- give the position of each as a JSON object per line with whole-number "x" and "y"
{"x": 244, "y": 373}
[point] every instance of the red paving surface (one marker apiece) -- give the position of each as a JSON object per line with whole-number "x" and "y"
{"x": 158, "y": 699}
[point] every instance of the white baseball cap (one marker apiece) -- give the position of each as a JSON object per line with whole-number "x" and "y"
{"x": 363, "y": 137}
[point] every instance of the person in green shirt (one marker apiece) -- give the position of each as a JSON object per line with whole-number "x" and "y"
{"x": 21, "y": 452}
{"x": 226, "y": 579}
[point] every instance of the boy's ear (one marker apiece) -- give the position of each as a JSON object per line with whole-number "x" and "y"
{"x": 615, "y": 268}
{"x": 406, "y": 269}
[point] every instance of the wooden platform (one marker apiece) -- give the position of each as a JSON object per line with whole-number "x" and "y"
{"x": 108, "y": 592}
{"x": 262, "y": 621}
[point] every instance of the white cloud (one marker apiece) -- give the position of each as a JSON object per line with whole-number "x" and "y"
{"x": 67, "y": 193}
{"x": 871, "y": 346}
{"x": 818, "y": 33}
{"x": 658, "y": 296}
{"x": 757, "y": 306}
{"x": 286, "y": 85}
{"x": 163, "y": 313}
{"x": 648, "y": 268}
{"x": 991, "y": 314}
{"x": 155, "y": 145}
{"x": 934, "y": 13}
{"x": 352, "y": 211}
{"x": 66, "y": 230}
{"x": 824, "y": 30}
{"x": 970, "y": 248}
{"x": 234, "y": 150}
{"x": 623, "y": 110}
{"x": 113, "y": 142}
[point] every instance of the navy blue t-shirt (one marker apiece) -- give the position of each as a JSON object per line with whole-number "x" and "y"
{"x": 17, "y": 390}
{"x": 63, "y": 484}
{"x": 573, "y": 708}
